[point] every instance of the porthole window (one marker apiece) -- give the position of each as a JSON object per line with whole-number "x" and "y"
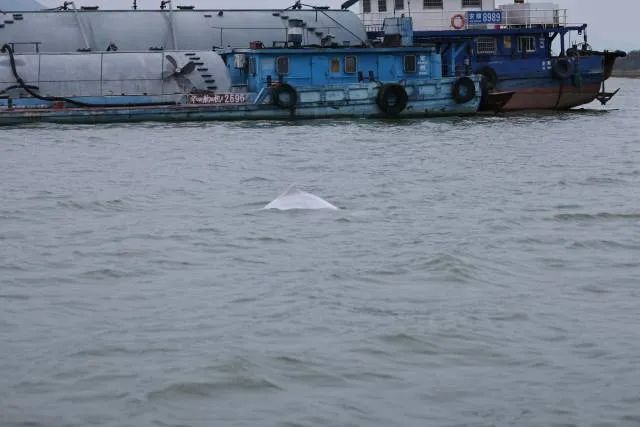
{"x": 282, "y": 65}
{"x": 350, "y": 64}
{"x": 410, "y": 64}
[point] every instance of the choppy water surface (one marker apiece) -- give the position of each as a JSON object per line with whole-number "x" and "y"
{"x": 481, "y": 271}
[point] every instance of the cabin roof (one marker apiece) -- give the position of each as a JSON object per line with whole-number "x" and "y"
{"x": 336, "y": 50}
{"x": 457, "y": 34}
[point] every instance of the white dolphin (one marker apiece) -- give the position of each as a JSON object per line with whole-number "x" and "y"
{"x": 294, "y": 198}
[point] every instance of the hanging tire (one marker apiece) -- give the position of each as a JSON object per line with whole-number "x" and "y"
{"x": 464, "y": 90}
{"x": 392, "y": 99}
{"x": 284, "y": 96}
{"x": 489, "y": 77}
{"x": 562, "y": 69}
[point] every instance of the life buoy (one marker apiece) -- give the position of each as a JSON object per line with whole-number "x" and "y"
{"x": 464, "y": 90}
{"x": 284, "y": 96}
{"x": 562, "y": 69}
{"x": 458, "y": 21}
{"x": 392, "y": 99}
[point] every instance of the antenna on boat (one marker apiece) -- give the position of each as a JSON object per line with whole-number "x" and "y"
{"x": 135, "y": 4}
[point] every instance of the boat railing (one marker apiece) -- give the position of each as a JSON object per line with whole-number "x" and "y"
{"x": 443, "y": 20}
{"x": 28, "y": 45}
{"x": 223, "y": 34}
{"x": 534, "y": 18}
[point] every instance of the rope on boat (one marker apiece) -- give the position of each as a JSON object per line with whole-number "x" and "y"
{"x": 8, "y": 49}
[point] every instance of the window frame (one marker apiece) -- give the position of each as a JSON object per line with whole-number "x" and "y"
{"x": 533, "y": 41}
{"x": 429, "y": 4}
{"x": 486, "y": 40}
{"x": 335, "y": 61}
{"x": 382, "y": 3}
{"x": 398, "y": 2}
{"x": 476, "y": 3}
{"x": 415, "y": 64}
{"x": 347, "y": 60}
{"x": 278, "y": 65}
{"x": 366, "y": 6}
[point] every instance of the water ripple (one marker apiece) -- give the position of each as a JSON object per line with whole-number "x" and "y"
{"x": 211, "y": 389}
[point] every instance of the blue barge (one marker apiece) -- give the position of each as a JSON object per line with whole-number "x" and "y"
{"x": 252, "y": 83}
{"x": 523, "y": 48}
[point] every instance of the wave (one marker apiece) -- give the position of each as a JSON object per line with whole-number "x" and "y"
{"x": 116, "y": 205}
{"x": 453, "y": 267}
{"x": 255, "y": 179}
{"x": 411, "y": 343}
{"x": 117, "y": 350}
{"x": 209, "y": 389}
{"x": 602, "y": 244}
{"x": 15, "y": 297}
{"x": 596, "y": 217}
{"x": 106, "y": 273}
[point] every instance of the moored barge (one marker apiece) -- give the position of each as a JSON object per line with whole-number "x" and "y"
{"x": 239, "y": 84}
{"x": 527, "y": 48}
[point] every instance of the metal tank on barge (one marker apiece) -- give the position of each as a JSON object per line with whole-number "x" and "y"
{"x": 279, "y": 77}
{"x": 72, "y": 28}
{"x": 512, "y": 46}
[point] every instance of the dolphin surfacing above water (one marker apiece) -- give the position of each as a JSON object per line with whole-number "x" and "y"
{"x": 294, "y": 198}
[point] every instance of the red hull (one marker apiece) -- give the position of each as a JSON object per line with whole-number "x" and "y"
{"x": 555, "y": 98}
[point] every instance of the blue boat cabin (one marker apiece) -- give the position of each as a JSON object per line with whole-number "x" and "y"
{"x": 255, "y": 69}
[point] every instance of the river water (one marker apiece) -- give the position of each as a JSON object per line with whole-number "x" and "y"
{"x": 481, "y": 271}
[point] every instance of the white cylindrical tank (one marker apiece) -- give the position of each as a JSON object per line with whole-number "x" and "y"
{"x": 66, "y": 31}
{"x": 115, "y": 73}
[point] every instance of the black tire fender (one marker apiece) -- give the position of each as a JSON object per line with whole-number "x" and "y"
{"x": 489, "y": 77}
{"x": 284, "y": 96}
{"x": 392, "y": 98}
{"x": 464, "y": 90}
{"x": 562, "y": 68}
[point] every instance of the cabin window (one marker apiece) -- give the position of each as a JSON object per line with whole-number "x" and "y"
{"x": 432, "y": 4}
{"x": 486, "y": 46}
{"x": 282, "y": 65}
{"x": 471, "y": 3}
{"x": 252, "y": 66}
{"x": 382, "y": 5}
{"x": 527, "y": 44}
{"x": 399, "y": 4}
{"x": 507, "y": 42}
{"x": 366, "y": 6}
{"x": 410, "y": 64}
{"x": 335, "y": 65}
{"x": 350, "y": 64}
